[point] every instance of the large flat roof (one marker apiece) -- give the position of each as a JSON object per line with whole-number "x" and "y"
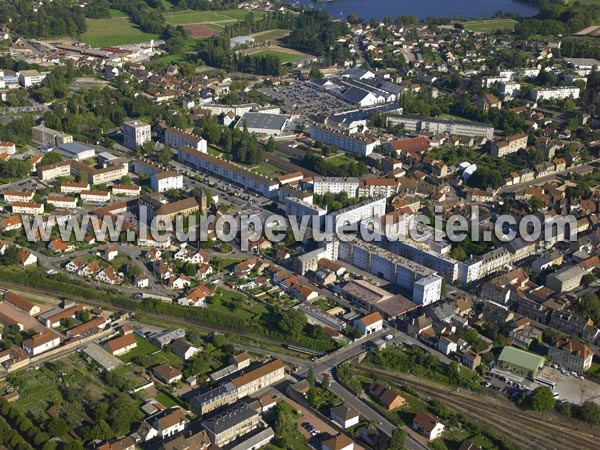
{"x": 521, "y": 358}
{"x": 263, "y": 121}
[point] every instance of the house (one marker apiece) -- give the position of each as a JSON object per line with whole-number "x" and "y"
{"x": 196, "y": 297}
{"x": 108, "y": 275}
{"x": 41, "y": 342}
{"x": 121, "y": 345}
{"x": 184, "y": 349}
{"x": 179, "y": 282}
{"x": 163, "y": 424}
{"x": 204, "y": 271}
{"x": 369, "y": 324}
{"x": 110, "y": 253}
{"x": 26, "y": 258}
{"x": 339, "y": 442}
{"x": 386, "y": 397}
{"x": 571, "y": 355}
{"x": 344, "y": 416}
{"x": 141, "y": 281}
{"x": 60, "y": 246}
{"x": 88, "y": 328}
{"x": 447, "y": 345}
{"x": 427, "y": 425}
{"x": 167, "y": 373}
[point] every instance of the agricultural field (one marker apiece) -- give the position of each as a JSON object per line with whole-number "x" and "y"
{"x": 490, "y": 26}
{"x": 118, "y": 30}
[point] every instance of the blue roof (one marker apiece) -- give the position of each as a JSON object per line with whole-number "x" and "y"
{"x": 75, "y": 147}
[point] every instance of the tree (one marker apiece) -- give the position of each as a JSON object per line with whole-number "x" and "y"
{"x": 542, "y": 399}
{"x": 590, "y": 412}
{"x": 73, "y": 445}
{"x": 126, "y": 180}
{"x": 165, "y": 156}
{"x": 315, "y": 73}
{"x": 58, "y": 427}
{"x": 50, "y": 158}
{"x": 397, "y": 440}
{"x": 311, "y": 379}
{"x": 459, "y": 253}
{"x": 293, "y": 322}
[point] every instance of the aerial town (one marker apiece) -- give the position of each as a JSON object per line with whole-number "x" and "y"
{"x": 244, "y": 224}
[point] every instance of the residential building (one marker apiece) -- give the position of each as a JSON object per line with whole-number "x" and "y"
{"x": 135, "y": 134}
{"x": 228, "y": 171}
{"x": 126, "y": 190}
{"x": 555, "y": 93}
{"x": 508, "y": 145}
{"x": 339, "y": 442}
{"x": 95, "y": 196}
{"x": 336, "y": 185}
{"x": 41, "y": 342}
{"x": 167, "y": 373}
{"x": 29, "y": 78}
{"x": 165, "y": 181}
{"x": 437, "y": 126}
{"x": 427, "y": 425}
{"x": 231, "y": 424}
{"x": 26, "y": 258}
{"x": 7, "y": 148}
{"x": 571, "y": 355}
{"x": 177, "y": 139}
{"x": 62, "y": 202}
{"x": 29, "y": 208}
{"x": 344, "y": 416}
{"x": 11, "y": 196}
{"x": 427, "y": 290}
{"x": 356, "y": 143}
{"x": 387, "y": 398}
{"x": 49, "y": 136}
{"x": 184, "y": 349}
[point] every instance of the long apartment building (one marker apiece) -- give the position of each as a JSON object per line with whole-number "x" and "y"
{"x": 49, "y": 136}
{"x": 115, "y": 171}
{"x": 556, "y": 93}
{"x": 383, "y": 263}
{"x": 336, "y": 185}
{"x": 176, "y": 138}
{"x": 355, "y": 143}
{"x": 436, "y": 126}
{"x": 239, "y": 387}
{"x": 228, "y": 171}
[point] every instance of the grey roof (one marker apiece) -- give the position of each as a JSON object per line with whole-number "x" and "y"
{"x": 217, "y": 392}
{"x": 363, "y": 114}
{"x": 75, "y": 147}
{"x": 263, "y": 121}
{"x": 251, "y": 442}
{"x": 355, "y": 95}
{"x": 229, "y": 419}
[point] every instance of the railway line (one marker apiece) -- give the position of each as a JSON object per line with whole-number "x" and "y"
{"x": 527, "y": 430}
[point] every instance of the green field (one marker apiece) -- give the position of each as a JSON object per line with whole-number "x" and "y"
{"x": 490, "y": 26}
{"x": 116, "y": 31}
{"x": 184, "y": 17}
{"x": 116, "y": 13}
{"x": 284, "y": 57}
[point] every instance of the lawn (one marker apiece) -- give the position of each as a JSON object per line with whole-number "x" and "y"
{"x": 340, "y": 160}
{"x": 284, "y": 57}
{"x": 115, "y": 31}
{"x": 213, "y": 151}
{"x": 490, "y": 26}
{"x": 116, "y": 13}
{"x": 144, "y": 347}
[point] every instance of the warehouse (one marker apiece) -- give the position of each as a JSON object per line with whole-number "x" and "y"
{"x": 76, "y": 150}
{"x": 520, "y": 362}
{"x": 260, "y": 123}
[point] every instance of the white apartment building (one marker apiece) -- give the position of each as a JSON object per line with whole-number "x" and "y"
{"x": 355, "y": 143}
{"x": 126, "y": 190}
{"x": 336, "y": 185}
{"x": 18, "y": 196}
{"x": 41, "y": 342}
{"x": 427, "y": 290}
{"x": 27, "y": 208}
{"x": 62, "y": 202}
{"x": 556, "y": 93}
{"x": 95, "y": 196}
{"x": 135, "y": 134}
{"x": 177, "y": 138}
{"x": 229, "y": 171}
{"x": 361, "y": 211}
{"x": 165, "y": 181}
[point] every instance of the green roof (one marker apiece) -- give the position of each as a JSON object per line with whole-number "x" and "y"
{"x": 521, "y": 358}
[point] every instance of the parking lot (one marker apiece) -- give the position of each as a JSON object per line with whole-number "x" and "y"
{"x": 308, "y": 101}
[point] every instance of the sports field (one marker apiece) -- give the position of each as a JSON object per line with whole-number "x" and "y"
{"x": 185, "y": 17}
{"x": 490, "y": 26}
{"x": 114, "y": 31}
{"x": 285, "y": 56}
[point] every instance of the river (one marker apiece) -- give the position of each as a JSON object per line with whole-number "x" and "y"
{"x": 378, "y": 9}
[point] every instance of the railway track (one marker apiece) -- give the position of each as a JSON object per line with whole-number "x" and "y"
{"x": 527, "y": 430}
